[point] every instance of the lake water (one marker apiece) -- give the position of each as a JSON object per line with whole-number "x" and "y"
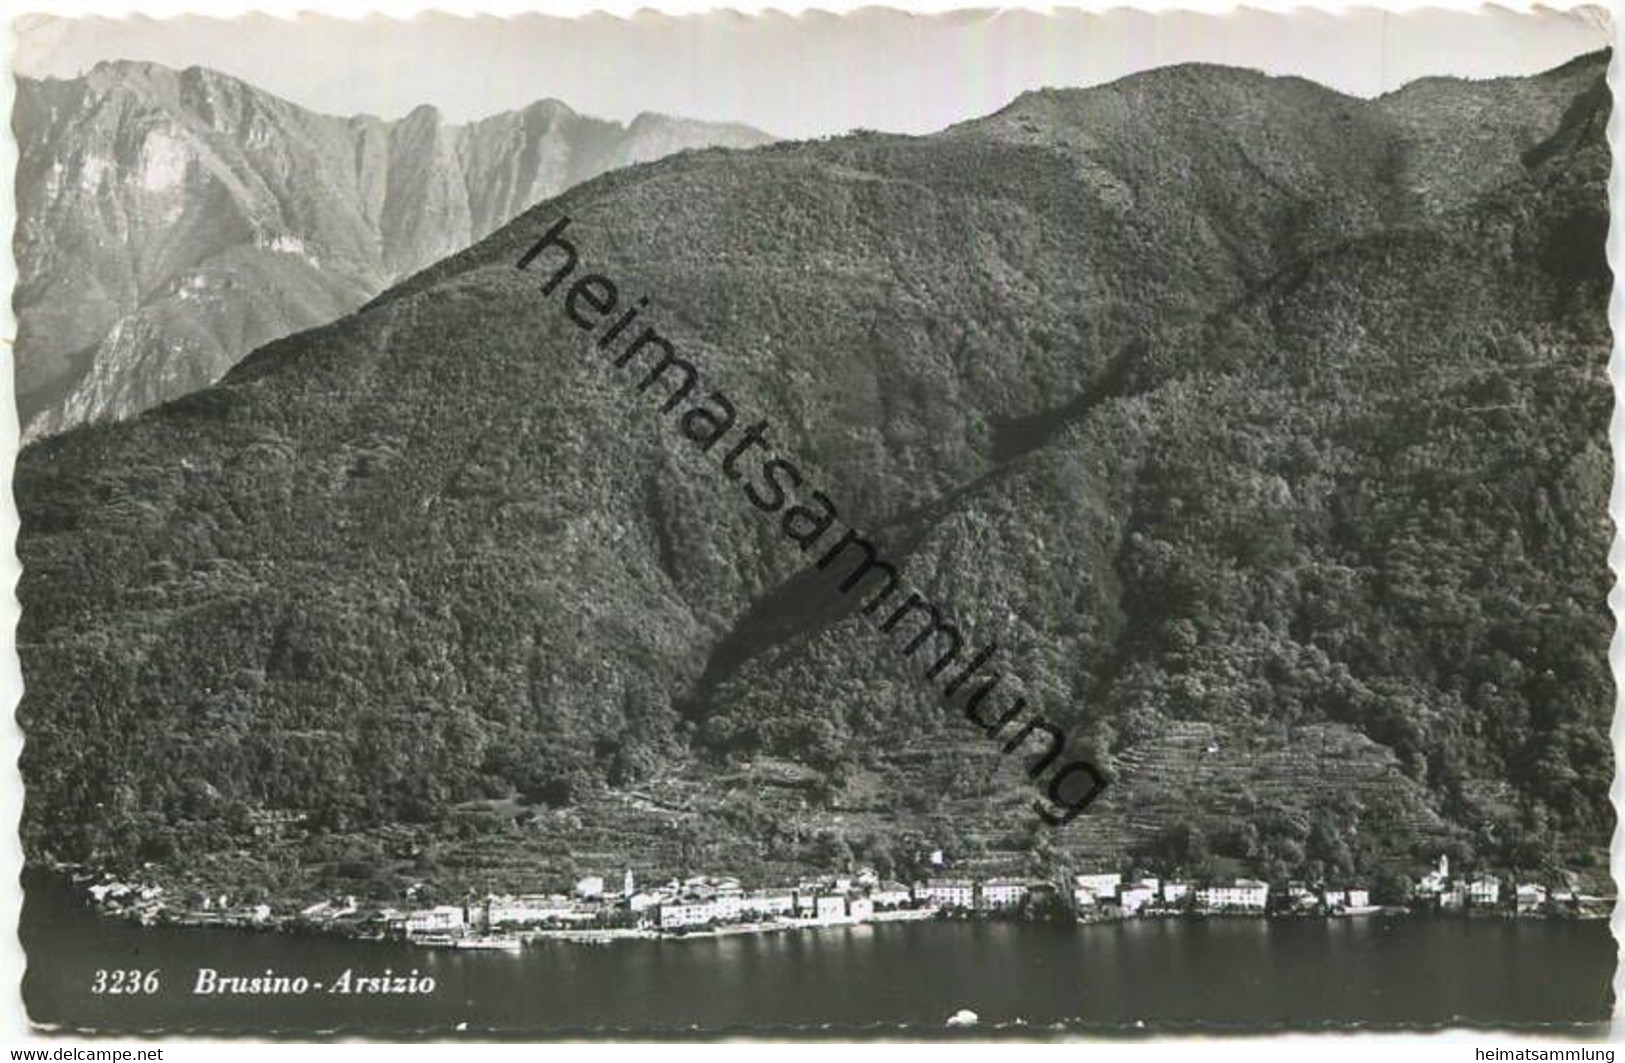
{"x": 1237, "y": 973}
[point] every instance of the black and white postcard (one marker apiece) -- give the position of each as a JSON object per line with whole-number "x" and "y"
{"x": 998, "y": 524}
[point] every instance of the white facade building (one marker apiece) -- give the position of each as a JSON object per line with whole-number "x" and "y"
{"x": 1134, "y": 896}
{"x": 440, "y": 920}
{"x": 771, "y": 903}
{"x": 522, "y": 910}
{"x": 1004, "y": 893}
{"x": 947, "y": 892}
{"x": 891, "y": 895}
{"x": 687, "y": 913}
{"x": 831, "y": 908}
{"x": 1243, "y": 895}
{"x": 1101, "y": 885}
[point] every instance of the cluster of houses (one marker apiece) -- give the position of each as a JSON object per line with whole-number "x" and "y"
{"x": 1439, "y": 889}
{"x": 676, "y": 905}
{"x": 703, "y": 902}
{"x": 1111, "y": 893}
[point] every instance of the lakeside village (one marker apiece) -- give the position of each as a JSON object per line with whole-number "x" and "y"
{"x": 704, "y": 906}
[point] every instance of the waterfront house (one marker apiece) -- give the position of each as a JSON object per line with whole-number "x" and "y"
{"x": 1529, "y": 897}
{"x": 831, "y": 908}
{"x": 730, "y": 905}
{"x": 1174, "y": 892}
{"x": 1453, "y": 898}
{"x": 1135, "y": 895}
{"x": 1101, "y": 885}
{"x": 525, "y": 910}
{"x": 1359, "y": 898}
{"x": 1484, "y": 892}
{"x": 1246, "y": 895}
{"x": 1083, "y": 897}
{"x": 443, "y": 919}
{"x": 1335, "y": 899}
{"x": 860, "y": 908}
{"x": 946, "y": 892}
{"x": 590, "y": 886}
{"x": 891, "y": 895}
{"x": 1301, "y": 898}
{"x": 772, "y": 904}
{"x": 683, "y": 914}
{"x": 1004, "y": 893}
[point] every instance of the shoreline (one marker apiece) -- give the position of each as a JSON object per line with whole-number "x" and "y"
{"x": 150, "y": 905}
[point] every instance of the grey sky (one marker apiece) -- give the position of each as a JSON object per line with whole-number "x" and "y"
{"x": 796, "y": 76}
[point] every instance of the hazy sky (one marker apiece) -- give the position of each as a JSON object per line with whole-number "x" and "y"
{"x": 795, "y": 76}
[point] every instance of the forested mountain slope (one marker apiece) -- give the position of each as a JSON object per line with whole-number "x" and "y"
{"x": 1263, "y": 427}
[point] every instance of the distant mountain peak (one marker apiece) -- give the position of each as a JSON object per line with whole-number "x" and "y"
{"x": 245, "y": 216}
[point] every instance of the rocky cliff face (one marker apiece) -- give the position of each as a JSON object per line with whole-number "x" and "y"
{"x": 170, "y": 222}
{"x": 1263, "y": 428}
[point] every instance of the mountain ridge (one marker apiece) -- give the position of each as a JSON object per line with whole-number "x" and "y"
{"x": 256, "y": 218}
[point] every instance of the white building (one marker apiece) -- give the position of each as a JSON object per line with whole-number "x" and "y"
{"x": 1101, "y": 885}
{"x": 527, "y": 909}
{"x": 1134, "y": 896}
{"x": 831, "y": 908}
{"x": 1004, "y": 893}
{"x": 680, "y": 914}
{"x": 947, "y": 892}
{"x": 590, "y": 886}
{"x": 440, "y": 920}
{"x": 1530, "y": 896}
{"x": 891, "y": 895}
{"x": 1243, "y": 895}
{"x": 768, "y": 903}
{"x": 730, "y": 905}
{"x": 1484, "y": 892}
{"x": 1359, "y": 898}
{"x": 1174, "y": 892}
{"x": 860, "y": 909}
